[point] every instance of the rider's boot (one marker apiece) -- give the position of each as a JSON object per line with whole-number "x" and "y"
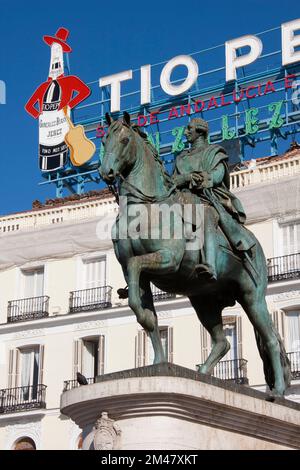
{"x": 207, "y": 269}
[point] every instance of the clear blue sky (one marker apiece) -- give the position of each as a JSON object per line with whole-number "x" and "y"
{"x": 106, "y": 37}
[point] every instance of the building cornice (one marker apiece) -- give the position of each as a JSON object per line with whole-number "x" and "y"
{"x": 78, "y": 318}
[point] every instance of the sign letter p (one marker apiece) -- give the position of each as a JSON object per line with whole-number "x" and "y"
{"x": 233, "y": 61}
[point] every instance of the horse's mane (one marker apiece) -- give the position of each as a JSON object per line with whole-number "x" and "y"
{"x": 137, "y": 129}
{"x": 153, "y": 150}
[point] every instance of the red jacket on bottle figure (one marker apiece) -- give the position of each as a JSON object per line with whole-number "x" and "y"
{"x": 49, "y": 100}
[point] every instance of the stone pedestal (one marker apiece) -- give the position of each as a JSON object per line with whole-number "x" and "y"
{"x": 169, "y": 407}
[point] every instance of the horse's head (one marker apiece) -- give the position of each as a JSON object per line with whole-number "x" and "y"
{"x": 119, "y": 148}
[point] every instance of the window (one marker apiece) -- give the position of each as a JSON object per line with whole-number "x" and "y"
{"x": 25, "y": 370}
{"x": 231, "y": 336}
{"x": 25, "y": 443}
{"x": 293, "y": 331}
{"x": 95, "y": 273}
{"x": 89, "y": 355}
{"x": 144, "y": 353}
{"x": 33, "y": 282}
{"x": 290, "y": 238}
{"x": 232, "y": 326}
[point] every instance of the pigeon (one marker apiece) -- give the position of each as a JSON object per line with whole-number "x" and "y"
{"x": 81, "y": 379}
{"x": 123, "y": 293}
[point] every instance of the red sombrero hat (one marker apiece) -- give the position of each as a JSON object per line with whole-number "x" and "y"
{"x": 60, "y": 37}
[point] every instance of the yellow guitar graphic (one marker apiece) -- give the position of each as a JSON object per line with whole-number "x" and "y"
{"x": 81, "y": 148}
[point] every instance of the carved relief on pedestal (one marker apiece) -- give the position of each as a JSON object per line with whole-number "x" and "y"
{"x": 107, "y": 433}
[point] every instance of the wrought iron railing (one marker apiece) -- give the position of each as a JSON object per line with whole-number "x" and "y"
{"x": 22, "y": 398}
{"x": 234, "y": 370}
{"x": 28, "y": 309}
{"x": 90, "y": 299}
{"x": 284, "y": 267}
{"x": 294, "y": 358}
{"x": 160, "y": 294}
{"x": 69, "y": 384}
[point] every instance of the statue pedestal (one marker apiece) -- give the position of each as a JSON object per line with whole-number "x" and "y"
{"x": 166, "y": 406}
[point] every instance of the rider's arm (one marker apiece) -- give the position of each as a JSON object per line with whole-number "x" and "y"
{"x": 203, "y": 179}
{"x": 218, "y": 174}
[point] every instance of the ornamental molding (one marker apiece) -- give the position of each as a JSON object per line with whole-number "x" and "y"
{"x": 29, "y": 333}
{"x": 287, "y": 295}
{"x": 165, "y": 314}
{"x": 19, "y": 429}
{"x": 90, "y": 325}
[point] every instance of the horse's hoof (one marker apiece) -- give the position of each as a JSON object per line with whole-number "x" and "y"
{"x": 271, "y": 397}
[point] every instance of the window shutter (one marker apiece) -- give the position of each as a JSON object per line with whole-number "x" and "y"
{"x": 41, "y": 364}
{"x": 102, "y": 272}
{"x": 239, "y": 337}
{"x": 39, "y": 278}
{"x": 274, "y": 317}
{"x": 291, "y": 238}
{"x": 95, "y": 273}
{"x": 34, "y": 283}
{"x": 204, "y": 339}
{"x": 278, "y": 321}
{"x": 11, "y": 367}
{"x": 101, "y": 355}
{"x": 170, "y": 344}
{"x": 293, "y": 330}
{"x": 77, "y": 357}
{"x": 140, "y": 357}
{"x": 282, "y": 329}
{"x": 136, "y": 351}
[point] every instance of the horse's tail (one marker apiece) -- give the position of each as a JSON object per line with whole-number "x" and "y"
{"x": 268, "y": 369}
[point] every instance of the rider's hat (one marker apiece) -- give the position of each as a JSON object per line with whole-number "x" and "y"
{"x": 200, "y": 124}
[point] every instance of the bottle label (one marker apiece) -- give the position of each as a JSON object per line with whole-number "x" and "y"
{"x": 53, "y": 126}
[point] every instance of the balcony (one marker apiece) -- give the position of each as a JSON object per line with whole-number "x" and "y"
{"x": 284, "y": 267}
{"x": 90, "y": 299}
{"x": 234, "y": 370}
{"x": 160, "y": 294}
{"x": 294, "y": 358}
{"x": 28, "y": 309}
{"x": 265, "y": 172}
{"x": 69, "y": 384}
{"x": 22, "y": 398}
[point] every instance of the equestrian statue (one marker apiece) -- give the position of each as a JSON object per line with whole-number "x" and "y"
{"x": 216, "y": 261}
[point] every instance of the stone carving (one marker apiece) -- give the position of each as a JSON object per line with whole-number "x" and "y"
{"x": 287, "y": 295}
{"x": 165, "y": 314}
{"x": 107, "y": 433}
{"x": 90, "y": 325}
{"x": 29, "y": 333}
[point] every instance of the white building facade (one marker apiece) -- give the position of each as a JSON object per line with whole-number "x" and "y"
{"x": 60, "y": 313}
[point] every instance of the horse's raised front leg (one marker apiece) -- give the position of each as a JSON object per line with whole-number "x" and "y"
{"x": 210, "y": 316}
{"x": 160, "y": 262}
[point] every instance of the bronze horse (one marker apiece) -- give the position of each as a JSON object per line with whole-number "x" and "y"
{"x": 168, "y": 263}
